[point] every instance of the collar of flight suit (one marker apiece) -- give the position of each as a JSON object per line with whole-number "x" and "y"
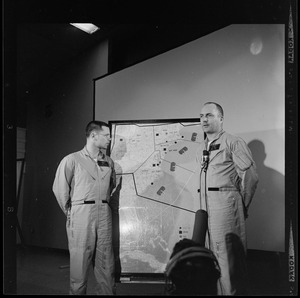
{"x": 89, "y": 164}
{"x": 212, "y": 153}
{"x": 214, "y": 139}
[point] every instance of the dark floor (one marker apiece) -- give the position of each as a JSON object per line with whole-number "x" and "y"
{"x": 42, "y": 271}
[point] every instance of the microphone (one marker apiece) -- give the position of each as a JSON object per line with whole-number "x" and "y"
{"x": 200, "y": 227}
{"x": 205, "y": 159}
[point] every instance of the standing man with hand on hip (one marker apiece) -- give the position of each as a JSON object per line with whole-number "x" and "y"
{"x": 228, "y": 181}
{"x": 83, "y": 185}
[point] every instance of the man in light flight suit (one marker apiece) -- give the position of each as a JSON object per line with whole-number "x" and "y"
{"x": 83, "y": 185}
{"x": 228, "y": 181}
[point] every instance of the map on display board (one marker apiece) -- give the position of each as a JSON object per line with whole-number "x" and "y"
{"x": 156, "y": 167}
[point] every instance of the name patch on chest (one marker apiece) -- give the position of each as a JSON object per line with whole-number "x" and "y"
{"x": 102, "y": 163}
{"x": 214, "y": 147}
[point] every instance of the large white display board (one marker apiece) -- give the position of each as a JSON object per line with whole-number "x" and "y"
{"x": 156, "y": 170}
{"x": 242, "y": 68}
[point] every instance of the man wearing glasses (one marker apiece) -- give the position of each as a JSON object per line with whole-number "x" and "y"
{"x": 83, "y": 185}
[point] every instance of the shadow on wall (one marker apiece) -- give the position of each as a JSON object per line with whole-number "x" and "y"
{"x": 266, "y": 222}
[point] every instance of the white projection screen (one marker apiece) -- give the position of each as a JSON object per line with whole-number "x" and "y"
{"x": 242, "y": 68}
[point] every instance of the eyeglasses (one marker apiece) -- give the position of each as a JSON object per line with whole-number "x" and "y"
{"x": 106, "y": 135}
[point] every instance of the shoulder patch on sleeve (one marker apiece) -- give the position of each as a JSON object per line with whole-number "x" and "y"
{"x": 242, "y": 159}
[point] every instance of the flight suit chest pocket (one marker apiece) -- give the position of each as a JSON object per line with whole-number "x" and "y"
{"x": 85, "y": 173}
{"x": 104, "y": 172}
{"x": 219, "y": 157}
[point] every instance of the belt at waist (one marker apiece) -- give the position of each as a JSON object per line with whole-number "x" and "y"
{"x": 93, "y": 202}
{"x": 89, "y": 202}
{"x": 225, "y": 188}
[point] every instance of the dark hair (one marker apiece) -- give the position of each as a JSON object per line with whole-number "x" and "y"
{"x": 94, "y": 125}
{"x": 182, "y": 244}
{"x": 219, "y": 108}
{"x": 194, "y": 275}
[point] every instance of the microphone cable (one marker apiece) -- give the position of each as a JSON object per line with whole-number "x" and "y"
{"x": 206, "y": 202}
